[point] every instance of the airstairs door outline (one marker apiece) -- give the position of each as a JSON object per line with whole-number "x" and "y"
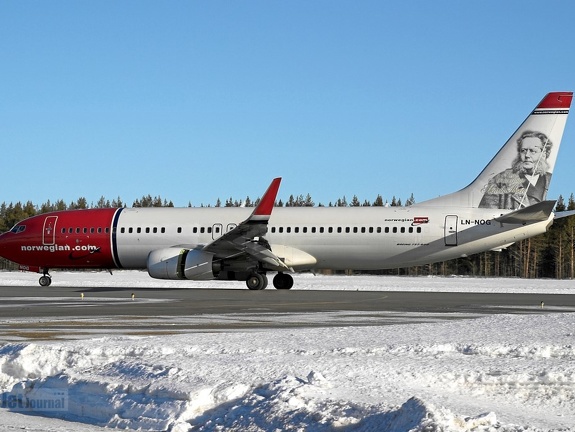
{"x": 450, "y": 233}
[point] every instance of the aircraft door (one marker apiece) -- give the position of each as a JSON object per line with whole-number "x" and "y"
{"x": 450, "y": 230}
{"x": 49, "y": 231}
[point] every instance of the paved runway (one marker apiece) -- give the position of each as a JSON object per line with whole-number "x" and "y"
{"x": 56, "y": 312}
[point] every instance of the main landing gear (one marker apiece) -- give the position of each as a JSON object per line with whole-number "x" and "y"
{"x": 259, "y": 281}
{"x": 283, "y": 281}
{"x": 46, "y": 279}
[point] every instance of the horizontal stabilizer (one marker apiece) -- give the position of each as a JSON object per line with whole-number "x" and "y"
{"x": 562, "y": 214}
{"x": 535, "y": 213}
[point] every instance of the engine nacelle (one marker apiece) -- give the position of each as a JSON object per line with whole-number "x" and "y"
{"x": 180, "y": 263}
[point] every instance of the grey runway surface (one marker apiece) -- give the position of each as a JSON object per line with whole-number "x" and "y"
{"x": 70, "y": 312}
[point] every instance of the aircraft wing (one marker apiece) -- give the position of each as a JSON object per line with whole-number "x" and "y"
{"x": 535, "y": 213}
{"x": 247, "y": 237}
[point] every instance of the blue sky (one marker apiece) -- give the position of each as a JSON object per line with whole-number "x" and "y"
{"x": 196, "y": 101}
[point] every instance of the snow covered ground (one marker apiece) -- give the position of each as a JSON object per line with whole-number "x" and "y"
{"x": 303, "y": 281}
{"x": 498, "y": 372}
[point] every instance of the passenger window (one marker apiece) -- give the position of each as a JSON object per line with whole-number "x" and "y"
{"x": 122, "y": 230}
{"x": 163, "y": 230}
{"x": 180, "y": 230}
{"x": 296, "y": 230}
{"x": 130, "y": 230}
{"x": 139, "y": 230}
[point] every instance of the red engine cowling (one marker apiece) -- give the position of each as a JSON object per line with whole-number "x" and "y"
{"x": 180, "y": 263}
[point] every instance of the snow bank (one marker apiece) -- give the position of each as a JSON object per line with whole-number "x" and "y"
{"x": 504, "y": 372}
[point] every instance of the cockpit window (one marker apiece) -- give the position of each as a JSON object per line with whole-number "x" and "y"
{"x": 18, "y": 229}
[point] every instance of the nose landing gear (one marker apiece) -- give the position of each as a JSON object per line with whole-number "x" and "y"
{"x": 46, "y": 279}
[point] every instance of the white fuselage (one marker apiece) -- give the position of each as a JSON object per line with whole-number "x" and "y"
{"x": 361, "y": 238}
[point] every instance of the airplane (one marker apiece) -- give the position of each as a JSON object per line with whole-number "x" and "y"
{"x": 506, "y": 203}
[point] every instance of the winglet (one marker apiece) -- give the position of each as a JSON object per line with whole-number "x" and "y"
{"x": 264, "y": 209}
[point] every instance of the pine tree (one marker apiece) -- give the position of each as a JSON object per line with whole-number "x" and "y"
{"x": 81, "y": 203}
{"x": 117, "y": 203}
{"x": 102, "y": 203}
{"x": 341, "y": 202}
{"x": 560, "y": 205}
{"x": 410, "y": 201}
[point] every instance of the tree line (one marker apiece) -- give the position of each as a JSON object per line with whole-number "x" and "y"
{"x": 12, "y": 213}
{"x": 549, "y": 255}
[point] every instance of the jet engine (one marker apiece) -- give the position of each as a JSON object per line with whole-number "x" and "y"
{"x": 181, "y": 263}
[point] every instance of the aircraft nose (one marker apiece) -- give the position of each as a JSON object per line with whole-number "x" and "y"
{"x": 3, "y": 244}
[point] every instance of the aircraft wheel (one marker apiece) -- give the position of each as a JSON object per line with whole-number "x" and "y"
{"x": 45, "y": 281}
{"x": 283, "y": 281}
{"x": 257, "y": 281}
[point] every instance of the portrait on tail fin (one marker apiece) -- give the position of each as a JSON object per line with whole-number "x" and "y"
{"x": 527, "y": 180}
